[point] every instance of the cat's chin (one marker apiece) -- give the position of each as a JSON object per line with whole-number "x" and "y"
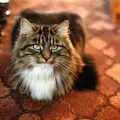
{"x": 40, "y": 81}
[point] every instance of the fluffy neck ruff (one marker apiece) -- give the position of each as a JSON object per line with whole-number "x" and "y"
{"x": 40, "y": 81}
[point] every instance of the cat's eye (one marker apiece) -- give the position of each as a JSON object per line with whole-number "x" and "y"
{"x": 37, "y": 47}
{"x": 55, "y": 48}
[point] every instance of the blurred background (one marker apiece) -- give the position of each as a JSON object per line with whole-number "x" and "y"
{"x": 102, "y": 21}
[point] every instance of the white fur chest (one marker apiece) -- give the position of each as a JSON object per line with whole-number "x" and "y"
{"x": 40, "y": 81}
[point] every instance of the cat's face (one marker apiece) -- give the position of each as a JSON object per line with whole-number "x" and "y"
{"x": 43, "y": 44}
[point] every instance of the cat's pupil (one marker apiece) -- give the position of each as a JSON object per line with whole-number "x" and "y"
{"x": 36, "y": 47}
{"x": 53, "y": 47}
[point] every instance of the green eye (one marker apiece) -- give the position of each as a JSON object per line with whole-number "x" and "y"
{"x": 37, "y": 47}
{"x": 55, "y": 48}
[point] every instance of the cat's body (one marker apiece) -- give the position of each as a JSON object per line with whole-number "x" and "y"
{"x": 48, "y": 54}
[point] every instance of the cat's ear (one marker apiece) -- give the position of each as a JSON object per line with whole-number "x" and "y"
{"x": 62, "y": 28}
{"x": 25, "y": 27}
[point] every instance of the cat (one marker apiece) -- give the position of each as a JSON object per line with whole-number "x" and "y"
{"x": 48, "y": 56}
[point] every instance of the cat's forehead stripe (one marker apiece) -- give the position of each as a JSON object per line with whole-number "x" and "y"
{"x": 49, "y": 35}
{"x": 45, "y": 35}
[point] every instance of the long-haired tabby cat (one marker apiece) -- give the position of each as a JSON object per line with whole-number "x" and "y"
{"x": 48, "y": 58}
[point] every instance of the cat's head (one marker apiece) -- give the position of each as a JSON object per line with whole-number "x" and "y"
{"x": 45, "y": 45}
{"x": 41, "y": 44}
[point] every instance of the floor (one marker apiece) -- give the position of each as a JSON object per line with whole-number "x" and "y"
{"x": 103, "y": 44}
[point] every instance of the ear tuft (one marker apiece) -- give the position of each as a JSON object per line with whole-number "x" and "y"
{"x": 25, "y": 26}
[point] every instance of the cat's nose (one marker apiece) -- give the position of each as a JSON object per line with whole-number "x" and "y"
{"x": 46, "y": 54}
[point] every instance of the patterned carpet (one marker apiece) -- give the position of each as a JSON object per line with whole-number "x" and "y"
{"x": 103, "y": 44}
